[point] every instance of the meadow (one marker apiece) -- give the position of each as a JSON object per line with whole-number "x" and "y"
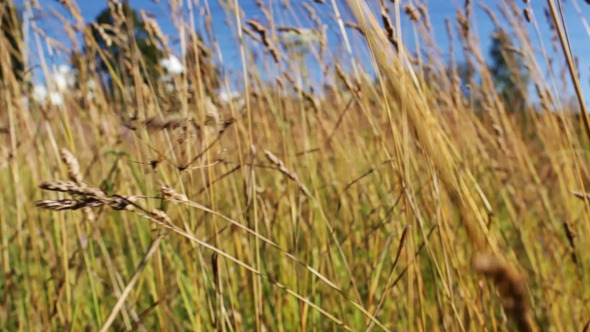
{"x": 143, "y": 188}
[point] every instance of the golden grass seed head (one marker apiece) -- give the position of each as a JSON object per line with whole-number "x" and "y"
{"x": 73, "y": 167}
{"x": 412, "y": 12}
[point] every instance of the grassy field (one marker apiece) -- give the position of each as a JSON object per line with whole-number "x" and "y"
{"x": 414, "y": 199}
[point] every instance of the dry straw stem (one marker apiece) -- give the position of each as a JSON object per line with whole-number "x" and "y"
{"x": 306, "y": 95}
{"x": 158, "y": 217}
{"x": 283, "y": 169}
{"x": 161, "y": 123}
{"x": 134, "y": 279}
{"x": 511, "y": 286}
{"x": 444, "y": 157}
{"x": 153, "y": 28}
{"x": 74, "y": 174}
{"x": 174, "y": 196}
{"x": 412, "y": 12}
{"x": 581, "y": 195}
{"x": 387, "y": 25}
{"x": 162, "y": 219}
{"x": 264, "y": 36}
{"x": 571, "y": 65}
{"x": 93, "y": 197}
{"x": 429, "y": 131}
{"x": 356, "y": 27}
{"x": 100, "y": 28}
{"x": 527, "y": 14}
{"x": 72, "y": 7}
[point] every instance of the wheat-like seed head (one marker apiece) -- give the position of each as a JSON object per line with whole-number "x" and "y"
{"x": 170, "y": 192}
{"x": 73, "y": 167}
{"x": 412, "y": 12}
{"x": 161, "y": 216}
{"x": 72, "y": 188}
{"x": 266, "y": 41}
{"x": 68, "y": 204}
{"x": 510, "y": 284}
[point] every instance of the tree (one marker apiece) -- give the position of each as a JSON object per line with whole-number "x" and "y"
{"x": 122, "y": 34}
{"x": 508, "y": 71}
{"x": 10, "y": 37}
{"x": 466, "y": 73}
{"x": 199, "y": 60}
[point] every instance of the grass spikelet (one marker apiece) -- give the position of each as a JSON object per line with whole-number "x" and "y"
{"x": 161, "y": 123}
{"x": 388, "y": 27}
{"x": 281, "y": 165}
{"x": 73, "y": 167}
{"x": 527, "y": 14}
{"x": 153, "y": 28}
{"x": 68, "y": 204}
{"x": 355, "y": 27}
{"x": 412, "y": 12}
{"x": 103, "y": 34}
{"x": 173, "y": 194}
{"x": 161, "y": 217}
{"x": 72, "y": 188}
{"x": 62, "y": 186}
{"x": 265, "y": 38}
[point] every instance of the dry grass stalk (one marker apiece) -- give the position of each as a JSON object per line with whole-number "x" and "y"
{"x": 424, "y": 13}
{"x": 344, "y": 78}
{"x": 160, "y": 123}
{"x": 116, "y": 202}
{"x": 312, "y": 14}
{"x": 75, "y": 175}
{"x": 281, "y": 165}
{"x": 121, "y": 301}
{"x": 511, "y": 286}
{"x": 412, "y": 12}
{"x": 356, "y": 27}
{"x": 161, "y": 217}
{"x": 153, "y": 28}
{"x": 389, "y": 29}
{"x": 400, "y": 115}
{"x": 264, "y": 36}
{"x": 103, "y": 34}
{"x": 581, "y": 195}
{"x": 170, "y": 192}
{"x": 306, "y": 95}
{"x": 93, "y": 197}
{"x": 74, "y": 10}
{"x": 283, "y": 169}
{"x": 527, "y": 14}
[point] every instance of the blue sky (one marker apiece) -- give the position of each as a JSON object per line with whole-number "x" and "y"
{"x": 439, "y": 10}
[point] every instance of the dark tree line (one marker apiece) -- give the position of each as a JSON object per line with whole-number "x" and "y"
{"x": 131, "y": 38}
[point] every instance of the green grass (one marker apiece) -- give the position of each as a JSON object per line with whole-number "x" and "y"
{"x": 370, "y": 215}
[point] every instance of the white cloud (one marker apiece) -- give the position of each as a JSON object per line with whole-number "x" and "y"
{"x": 63, "y": 78}
{"x": 39, "y": 93}
{"x": 91, "y": 85}
{"x": 172, "y": 65}
{"x": 56, "y": 99}
{"x": 235, "y": 97}
{"x": 228, "y": 96}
